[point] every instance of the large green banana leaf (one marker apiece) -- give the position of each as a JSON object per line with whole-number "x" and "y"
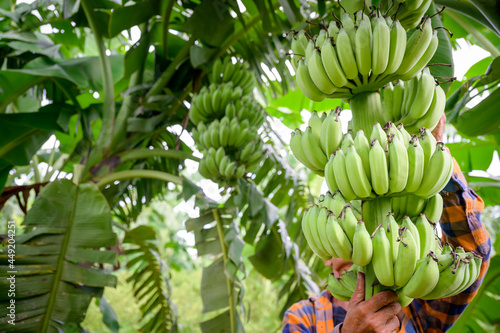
{"x": 55, "y": 259}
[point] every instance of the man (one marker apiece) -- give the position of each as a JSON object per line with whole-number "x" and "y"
{"x": 461, "y": 226}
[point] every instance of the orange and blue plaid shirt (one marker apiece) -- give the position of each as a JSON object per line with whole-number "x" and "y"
{"x": 461, "y": 226}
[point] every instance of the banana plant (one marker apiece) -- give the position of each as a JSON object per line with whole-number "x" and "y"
{"x": 53, "y": 263}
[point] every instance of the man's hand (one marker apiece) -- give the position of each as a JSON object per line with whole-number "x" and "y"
{"x": 377, "y": 314}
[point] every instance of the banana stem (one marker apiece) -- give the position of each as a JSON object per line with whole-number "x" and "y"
{"x": 375, "y": 212}
{"x": 229, "y": 282}
{"x": 366, "y": 110}
{"x": 369, "y": 280}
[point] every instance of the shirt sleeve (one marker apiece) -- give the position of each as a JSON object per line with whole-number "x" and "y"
{"x": 298, "y": 319}
{"x": 461, "y": 226}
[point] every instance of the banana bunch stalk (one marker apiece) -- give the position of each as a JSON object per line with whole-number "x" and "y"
{"x": 389, "y": 165}
{"x": 321, "y": 138}
{"x": 351, "y": 57}
{"x": 415, "y": 103}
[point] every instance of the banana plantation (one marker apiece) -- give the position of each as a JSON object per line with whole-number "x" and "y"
{"x": 194, "y": 166}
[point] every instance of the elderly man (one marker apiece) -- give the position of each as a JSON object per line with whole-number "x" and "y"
{"x": 461, "y": 226}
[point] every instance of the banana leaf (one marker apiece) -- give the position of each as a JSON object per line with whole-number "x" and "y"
{"x": 54, "y": 267}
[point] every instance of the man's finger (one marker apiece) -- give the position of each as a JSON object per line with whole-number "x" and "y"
{"x": 382, "y": 299}
{"x": 390, "y": 310}
{"x": 392, "y": 324}
{"x": 359, "y": 292}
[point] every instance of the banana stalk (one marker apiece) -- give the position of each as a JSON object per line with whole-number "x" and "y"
{"x": 366, "y": 110}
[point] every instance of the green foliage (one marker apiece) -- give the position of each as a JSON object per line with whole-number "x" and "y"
{"x": 55, "y": 258}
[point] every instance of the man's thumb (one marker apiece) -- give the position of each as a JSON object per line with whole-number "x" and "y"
{"x": 359, "y": 292}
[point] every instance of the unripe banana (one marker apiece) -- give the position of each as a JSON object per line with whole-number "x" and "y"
{"x": 298, "y": 151}
{"x": 415, "y": 165}
{"x": 331, "y": 132}
{"x": 356, "y": 173}
{"x": 230, "y": 169}
{"x": 240, "y": 171}
{"x": 224, "y": 163}
{"x": 247, "y": 151}
{"x": 397, "y": 47}
{"x": 363, "y": 44}
{"x": 414, "y": 206}
{"x": 392, "y": 229}
{"x": 381, "y": 46}
{"x": 423, "y": 98}
{"x": 330, "y": 175}
{"x": 347, "y": 140}
{"x": 382, "y": 257}
{"x": 404, "y": 133}
{"x": 212, "y": 166}
{"x": 362, "y": 146}
{"x": 319, "y": 75}
{"x": 337, "y": 289}
{"x": 338, "y": 239}
{"x": 345, "y": 55}
{"x": 408, "y": 223}
{"x": 416, "y": 46}
{"x": 407, "y": 258}
{"x": 378, "y": 168}
{"x": 332, "y": 65}
{"x": 348, "y": 222}
{"x": 449, "y": 280}
{"x": 315, "y": 122}
{"x": 398, "y": 166}
{"x": 339, "y": 169}
{"x": 323, "y": 232}
{"x": 434, "y": 208}
{"x": 387, "y": 102}
{"x": 397, "y": 100}
{"x": 307, "y": 85}
{"x": 431, "y": 118}
{"x": 424, "y": 59}
{"x": 426, "y": 235}
{"x": 307, "y": 217}
{"x": 338, "y": 203}
{"x": 363, "y": 249}
{"x": 312, "y": 149}
{"x": 428, "y": 143}
{"x": 203, "y": 169}
{"x": 432, "y": 183}
{"x": 425, "y": 278}
{"x": 379, "y": 134}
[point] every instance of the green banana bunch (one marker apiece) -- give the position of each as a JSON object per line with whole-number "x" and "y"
{"x": 339, "y": 290}
{"x": 434, "y": 208}
{"x": 416, "y": 103}
{"x": 425, "y": 278}
{"x": 314, "y": 146}
{"x": 233, "y": 135}
{"x": 246, "y": 108}
{"x": 238, "y": 73}
{"x": 409, "y": 12}
{"x": 309, "y": 228}
{"x": 210, "y": 103}
{"x": 363, "y": 55}
{"x": 219, "y": 167}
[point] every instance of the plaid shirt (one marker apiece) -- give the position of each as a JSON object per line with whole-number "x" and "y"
{"x": 461, "y": 226}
